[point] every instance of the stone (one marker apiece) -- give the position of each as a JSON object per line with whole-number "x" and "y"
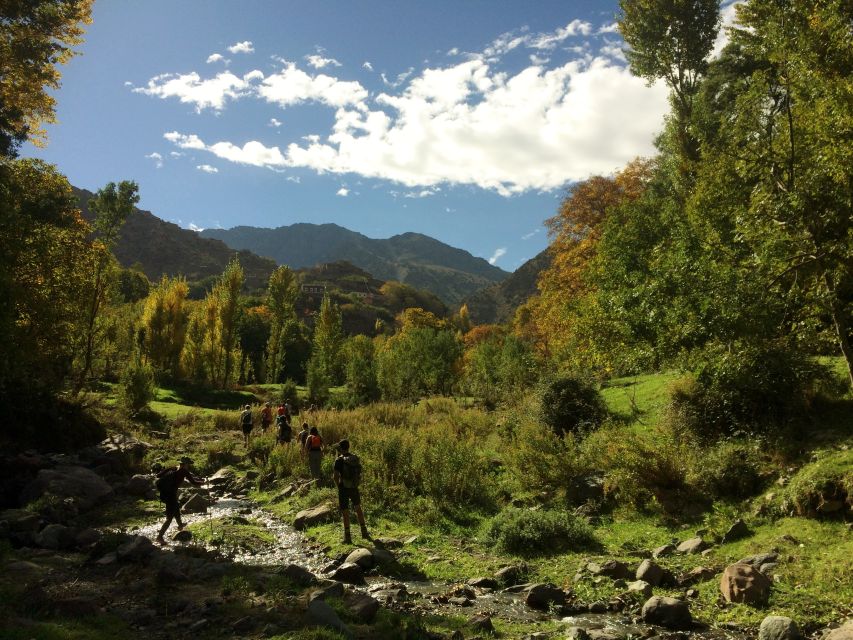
{"x": 483, "y": 583}
{"x": 381, "y": 557}
{"x": 316, "y": 515}
{"x": 642, "y": 587}
{"x": 362, "y": 606}
{"x": 611, "y": 569}
{"x": 541, "y": 596}
{"x": 744, "y": 583}
{"x": 56, "y": 537}
{"x": 650, "y": 571}
{"x": 693, "y": 545}
{"x": 663, "y": 551}
{"x": 243, "y": 625}
{"x": 136, "y": 549}
{"x": 779, "y": 628}
{"x": 482, "y": 623}
{"x": 577, "y": 633}
{"x": 107, "y": 559}
{"x": 20, "y": 525}
{"x": 139, "y": 485}
{"x": 510, "y": 575}
{"x": 320, "y": 614}
{"x": 332, "y": 590}
{"x": 737, "y": 531}
{"x": 667, "y": 612}
{"x": 298, "y": 575}
{"x": 759, "y": 559}
{"x": 460, "y": 601}
{"x": 388, "y": 543}
{"x": 21, "y": 571}
{"x": 599, "y": 606}
{"x": 222, "y": 478}
{"x": 183, "y": 536}
{"x": 362, "y": 557}
{"x": 88, "y": 537}
{"x": 695, "y": 576}
{"x": 83, "y": 485}
{"x": 349, "y": 573}
{"x": 197, "y": 503}
{"x": 844, "y": 632}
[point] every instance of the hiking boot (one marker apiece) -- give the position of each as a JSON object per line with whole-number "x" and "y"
{"x": 347, "y": 539}
{"x": 161, "y": 542}
{"x": 365, "y": 534}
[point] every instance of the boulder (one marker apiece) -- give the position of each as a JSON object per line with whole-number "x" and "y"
{"x": 139, "y": 485}
{"x": 483, "y": 583}
{"x": 667, "y": 612}
{"x": 460, "y": 601}
{"x": 650, "y": 571}
{"x": 332, "y": 589}
{"x": 695, "y": 576}
{"x": 663, "y": 551}
{"x": 183, "y": 536}
{"x": 316, "y": 515}
{"x": 320, "y": 614}
{"x": 779, "y": 628}
{"x": 577, "y": 633}
{"x": 19, "y": 525}
{"x": 388, "y": 543}
{"x": 298, "y": 575}
{"x": 222, "y": 478}
{"x": 85, "y": 487}
{"x": 693, "y": 545}
{"x": 56, "y": 537}
{"x": 541, "y": 596}
{"x": 88, "y": 537}
{"x": 196, "y": 503}
{"x": 737, "y": 531}
{"x": 136, "y": 549}
{"x": 510, "y": 575}
{"x": 481, "y": 623}
{"x": 612, "y": 569}
{"x": 349, "y": 573}
{"x": 744, "y": 583}
{"x": 381, "y": 557}
{"x": 362, "y": 606}
{"x": 362, "y": 557}
{"x": 764, "y": 562}
{"x": 642, "y": 587}
{"x": 844, "y": 632}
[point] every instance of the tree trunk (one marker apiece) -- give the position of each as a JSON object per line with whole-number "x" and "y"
{"x": 840, "y": 323}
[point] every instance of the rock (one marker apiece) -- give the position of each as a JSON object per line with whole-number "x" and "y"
{"x": 85, "y": 487}
{"x": 541, "y": 596}
{"x": 388, "y": 543}
{"x": 381, "y": 557}
{"x": 88, "y": 537}
{"x": 139, "y": 485}
{"x": 482, "y": 623}
{"x": 136, "y": 549}
{"x": 197, "y": 503}
{"x": 56, "y": 537}
{"x": 598, "y": 606}
{"x": 310, "y": 517}
{"x": 198, "y": 625}
{"x": 744, "y": 583}
{"x": 22, "y": 571}
{"x": 737, "y": 531}
{"x": 362, "y": 606}
{"x": 483, "y": 583}
{"x": 349, "y": 573}
{"x": 511, "y": 575}
{"x": 107, "y": 559}
{"x": 243, "y": 625}
{"x": 20, "y": 525}
{"x": 693, "y": 545}
{"x": 320, "y": 614}
{"x": 183, "y": 536}
{"x": 298, "y": 575}
{"x": 577, "y": 633}
{"x": 695, "y": 576}
{"x": 612, "y": 569}
{"x": 642, "y": 587}
{"x": 759, "y": 559}
{"x": 650, "y": 571}
{"x": 362, "y": 557}
{"x": 667, "y": 612}
{"x": 222, "y": 478}
{"x": 663, "y": 551}
{"x": 779, "y": 628}
{"x": 586, "y": 489}
{"x": 844, "y": 632}
{"x": 460, "y": 601}
{"x": 331, "y": 590}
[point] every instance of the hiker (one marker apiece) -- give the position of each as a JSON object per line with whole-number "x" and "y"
{"x": 284, "y": 430}
{"x": 347, "y": 476}
{"x": 168, "y": 483}
{"x": 266, "y": 417}
{"x": 303, "y": 436}
{"x": 246, "y": 424}
{"x": 314, "y": 449}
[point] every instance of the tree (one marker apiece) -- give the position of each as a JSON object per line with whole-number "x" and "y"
{"x": 164, "y": 323}
{"x": 418, "y": 360}
{"x": 35, "y": 37}
{"x": 328, "y": 340}
{"x": 281, "y": 296}
{"x": 254, "y": 336}
{"x": 226, "y": 297}
{"x": 360, "y": 370}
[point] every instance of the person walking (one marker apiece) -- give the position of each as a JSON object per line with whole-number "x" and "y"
{"x": 314, "y": 449}
{"x": 266, "y": 417}
{"x": 168, "y": 483}
{"x": 303, "y": 437}
{"x": 246, "y": 424}
{"x": 285, "y": 433}
{"x": 347, "y": 477}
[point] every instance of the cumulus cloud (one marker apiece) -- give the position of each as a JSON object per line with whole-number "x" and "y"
{"x": 157, "y": 158}
{"x": 367, "y": 65}
{"x": 207, "y": 168}
{"x": 728, "y": 14}
{"x": 343, "y": 192}
{"x": 293, "y": 86}
{"x": 423, "y": 193}
{"x": 242, "y": 47}
{"x": 399, "y": 80}
{"x": 217, "y": 57}
{"x": 613, "y": 27}
{"x": 497, "y": 255}
{"x": 318, "y": 61}
{"x": 549, "y": 41}
{"x": 190, "y": 88}
{"x": 275, "y": 122}
{"x": 194, "y": 227}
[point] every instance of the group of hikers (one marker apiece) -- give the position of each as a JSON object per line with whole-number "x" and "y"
{"x": 346, "y": 471}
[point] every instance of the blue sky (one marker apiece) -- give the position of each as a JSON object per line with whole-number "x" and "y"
{"x": 463, "y": 120}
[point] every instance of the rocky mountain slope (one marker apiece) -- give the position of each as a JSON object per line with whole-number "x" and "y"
{"x": 498, "y": 302}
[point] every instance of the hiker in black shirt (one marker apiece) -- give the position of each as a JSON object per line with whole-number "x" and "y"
{"x": 347, "y": 475}
{"x": 168, "y": 483}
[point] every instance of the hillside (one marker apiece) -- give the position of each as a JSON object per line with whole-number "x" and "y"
{"x": 163, "y": 248}
{"x": 411, "y": 258}
{"x": 498, "y": 302}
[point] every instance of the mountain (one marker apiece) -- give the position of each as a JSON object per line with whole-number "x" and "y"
{"x": 498, "y": 302}
{"x": 162, "y": 248}
{"x": 411, "y": 258}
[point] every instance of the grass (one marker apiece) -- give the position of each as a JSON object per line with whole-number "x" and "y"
{"x": 640, "y": 400}
{"x": 232, "y": 532}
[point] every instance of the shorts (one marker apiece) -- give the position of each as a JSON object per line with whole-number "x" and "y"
{"x": 347, "y": 495}
{"x": 247, "y": 429}
{"x": 265, "y": 425}
{"x": 173, "y": 509}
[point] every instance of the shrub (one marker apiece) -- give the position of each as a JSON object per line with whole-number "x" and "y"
{"x": 824, "y": 487}
{"x": 542, "y": 459}
{"x": 136, "y": 388}
{"x": 569, "y": 404}
{"x": 535, "y": 533}
{"x": 731, "y": 469}
{"x": 290, "y": 394}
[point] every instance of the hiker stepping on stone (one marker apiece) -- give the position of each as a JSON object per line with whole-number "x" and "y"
{"x": 347, "y": 476}
{"x": 168, "y": 483}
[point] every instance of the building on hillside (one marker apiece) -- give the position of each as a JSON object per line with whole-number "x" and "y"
{"x": 314, "y": 288}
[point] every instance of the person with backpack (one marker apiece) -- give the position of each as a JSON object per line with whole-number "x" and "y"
{"x": 303, "y": 436}
{"x": 284, "y": 430}
{"x": 314, "y": 449}
{"x": 246, "y": 424}
{"x": 168, "y": 482}
{"x": 347, "y": 477}
{"x": 266, "y": 417}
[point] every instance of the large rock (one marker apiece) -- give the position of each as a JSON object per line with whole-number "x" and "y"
{"x": 19, "y": 525}
{"x": 640, "y": 586}
{"x": 650, "y": 571}
{"x": 541, "y": 596}
{"x": 197, "y": 503}
{"x": 744, "y": 583}
{"x": 844, "y": 632}
{"x": 56, "y": 537}
{"x": 329, "y": 589}
{"x": 320, "y": 614}
{"x": 137, "y": 549}
{"x": 222, "y": 478}
{"x": 737, "y": 531}
{"x": 764, "y": 562}
{"x": 693, "y": 545}
{"x": 139, "y": 485}
{"x": 362, "y": 606}
{"x": 349, "y": 573}
{"x": 298, "y": 575}
{"x": 667, "y": 612}
{"x": 511, "y": 575}
{"x": 316, "y": 515}
{"x": 85, "y": 487}
{"x": 779, "y": 628}
{"x": 483, "y": 583}
{"x": 612, "y": 569}
{"x": 695, "y": 576}
{"x": 362, "y": 557}
{"x": 663, "y": 551}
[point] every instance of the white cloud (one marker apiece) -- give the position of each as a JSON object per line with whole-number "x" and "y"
{"x": 292, "y": 86}
{"x": 128, "y": 83}
{"x": 613, "y": 50}
{"x": 157, "y": 158}
{"x": 217, "y": 57}
{"x": 400, "y": 79}
{"x": 453, "y": 52}
{"x": 549, "y": 41}
{"x": 367, "y": 65}
{"x": 175, "y": 154}
{"x": 423, "y": 193}
{"x": 242, "y": 47}
{"x": 318, "y": 62}
{"x": 613, "y": 27}
{"x": 294, "y": 179}
{"x": 275, "y": 122}
{"x": 343, "y": 192}
{"x": 537, "y": 60}
{"x": 194, "y": 227}
{"x": 207, "y": 168}
{"x": 189, "y": 88}
{"x": 497, "y": 255}
{"x": 527, "y": 236}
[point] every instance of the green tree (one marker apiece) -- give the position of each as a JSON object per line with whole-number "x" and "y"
{"x": 417, "y": 361}
{"x": 254, "y": 336}
{"x": 35, "y": 37}
{"x": 328, "y": 341}
{"x": 360, "y": 369}
{"x": 281, "y": 297}
{"x": 226, "y": 297}
{"x": 164, "y": 324}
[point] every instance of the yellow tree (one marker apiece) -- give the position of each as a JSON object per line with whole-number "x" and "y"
{"x": 164, "y": 320}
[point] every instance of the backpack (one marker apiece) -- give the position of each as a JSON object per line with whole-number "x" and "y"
{"x": 350, "y": 471}
{"x": 313, "y": 443}
{"x": 246, "y": 418}
{"x": 167, "y": 482}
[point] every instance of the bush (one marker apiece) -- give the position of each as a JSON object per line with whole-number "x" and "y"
{"x": 136, "y": 388}
{"x": 569, "y": 404}
{"x": 290, "y": 394}
{"x": 731, "y": 469}
{"x": 823, "y": 488}
{"x": 535, "y": 533}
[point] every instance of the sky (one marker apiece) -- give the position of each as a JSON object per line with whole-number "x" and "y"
{"x": 465, "y": 120}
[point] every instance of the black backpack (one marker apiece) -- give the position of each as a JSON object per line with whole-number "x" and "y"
{"x": 168, "y": 482}
{"x": 350, "y": 471}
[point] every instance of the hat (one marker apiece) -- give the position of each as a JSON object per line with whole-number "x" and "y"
{"x": 248, "y": 407}
{"x": 343, "y": 445}
{"x": 186, "y": 460}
